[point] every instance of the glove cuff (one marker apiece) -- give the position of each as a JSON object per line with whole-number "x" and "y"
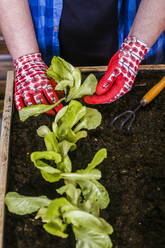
{"x": 135, "y": 47}
{"x": 29, "y": 61}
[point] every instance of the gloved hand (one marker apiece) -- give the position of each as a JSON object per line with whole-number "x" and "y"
{"x": 121, "y": 72}
{"x": 31, "y": 83}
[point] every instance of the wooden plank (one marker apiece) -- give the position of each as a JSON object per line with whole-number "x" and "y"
{"x": 8, "y": 65}
{"x": 160, "y": 67}
{"x": 92, "y": 68}
{"x": 104, "y": 68}
{"x": 4, "y": 146}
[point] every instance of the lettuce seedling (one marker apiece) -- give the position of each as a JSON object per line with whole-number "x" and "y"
{"x": 91, "y": 196}
{"x": 85, "y": 195}
{"x": 74, "y": 117}
{"x": 63, "y": 70}
{"x": 54, "y": 145}
{"x": 90, "y": 231}
{"x": 67, "y": 75}
{"x": 67, "y": 130}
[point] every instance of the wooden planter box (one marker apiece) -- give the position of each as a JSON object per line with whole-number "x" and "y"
{"x": 4, "y": 146}
{"x": 122, "y": 173}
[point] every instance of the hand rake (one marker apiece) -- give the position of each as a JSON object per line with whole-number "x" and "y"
{"x": 130, "y": 114}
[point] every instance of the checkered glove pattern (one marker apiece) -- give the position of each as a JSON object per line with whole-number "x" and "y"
{"x": 31, "y": 83}
{"x": 121, "y": 72}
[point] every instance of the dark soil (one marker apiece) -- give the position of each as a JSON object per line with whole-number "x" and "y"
{"x": 133, "y": 173}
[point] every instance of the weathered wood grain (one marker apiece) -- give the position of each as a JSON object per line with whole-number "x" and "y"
{"x": 104, "y": 68}
{"x": 4, "y": 146}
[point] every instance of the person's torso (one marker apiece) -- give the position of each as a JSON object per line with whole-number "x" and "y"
{"x": 97, "y": 23}
{"x": 88, "y": 31}
{"x": 84, "y": 32}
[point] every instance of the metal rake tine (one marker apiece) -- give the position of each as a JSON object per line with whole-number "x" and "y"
{"x": 130, "y": 125}
{"x": 131, "y": 117}
{"x": 116, "y": 118}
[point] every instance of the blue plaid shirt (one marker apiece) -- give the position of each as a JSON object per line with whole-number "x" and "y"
{"x": 46, "y": 17}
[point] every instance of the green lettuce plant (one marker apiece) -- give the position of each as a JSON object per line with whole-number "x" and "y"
{"x": 90, "y": 231}
{"x": 70, "y": 125}
{"x": 69, "y": 80}
{"x": 82, "y": 196}
{"x": 69, "y": 77}
{"x": 72, "y": 120}
{"x": 85, "y": 196}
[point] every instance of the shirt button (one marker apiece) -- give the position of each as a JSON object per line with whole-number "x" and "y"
{"x": 55, "y": 28}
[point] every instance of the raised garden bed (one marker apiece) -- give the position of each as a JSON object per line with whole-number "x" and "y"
{"x": 133, "y": 173}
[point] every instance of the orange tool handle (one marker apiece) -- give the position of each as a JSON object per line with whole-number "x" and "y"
{"x": 153, "y": 92}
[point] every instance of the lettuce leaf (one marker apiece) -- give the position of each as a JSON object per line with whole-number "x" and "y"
{"x": 95, "y": 196}
{"x": 48, "y": 172}
{"x": 60, "y": 70}
{"x": 21, "y": 205}
{"x": 87, "y": 88}
{"x": 88, "y": 238}
{"x": 36, "y": 110}
{"x": 98, "y": 158}
{"x": 91, "y": 120}
{"x": 73, "y": 194}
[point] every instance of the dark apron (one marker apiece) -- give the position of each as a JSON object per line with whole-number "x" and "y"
{"x": 89, "y": 31}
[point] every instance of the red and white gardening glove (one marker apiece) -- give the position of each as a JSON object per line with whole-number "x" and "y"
{"x": 121, "y": 72}
{"x": 31, "y": 83}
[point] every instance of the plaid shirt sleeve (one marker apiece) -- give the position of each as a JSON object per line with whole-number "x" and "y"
{"x": 46, "y": 16}
{"x": 126, "y": 11}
